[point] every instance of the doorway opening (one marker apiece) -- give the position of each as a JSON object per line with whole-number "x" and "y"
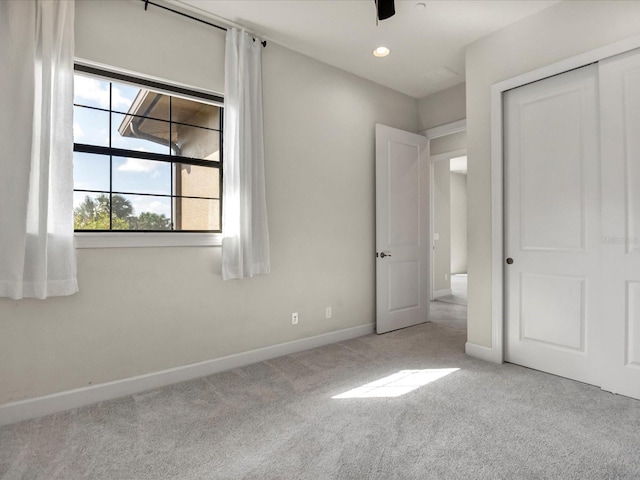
{"x": 448, "y": 160}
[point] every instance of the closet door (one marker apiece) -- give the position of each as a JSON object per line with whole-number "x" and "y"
{"x": 620, "y": 144}
{"x": 552, "y": 225}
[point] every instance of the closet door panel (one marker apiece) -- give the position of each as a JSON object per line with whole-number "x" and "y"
{"x": 620, "y": 146}
{"x": 552, "y": 225}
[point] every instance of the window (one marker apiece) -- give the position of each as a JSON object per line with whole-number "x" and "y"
{"x": 147, "y": 156}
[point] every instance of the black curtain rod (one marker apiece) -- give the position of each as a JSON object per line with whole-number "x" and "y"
{"x": 148, "y": 2}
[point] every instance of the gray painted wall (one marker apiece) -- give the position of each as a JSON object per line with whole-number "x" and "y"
{"x": 458, "y": 222}
{"x": 443, "y": 107}
{"x": 448, "y": 143}
{"x": 148, "y": 309}
{"x": 562, "y": 31}
{"x": 442, "y": 226}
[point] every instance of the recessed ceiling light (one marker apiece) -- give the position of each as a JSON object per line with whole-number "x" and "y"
{"x": 420, "y": 6}
{"x": 381, "y": 52}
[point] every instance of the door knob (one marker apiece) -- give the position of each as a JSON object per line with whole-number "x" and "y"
{"x": 509, "y": 261}
{"x": 385, "y": 254}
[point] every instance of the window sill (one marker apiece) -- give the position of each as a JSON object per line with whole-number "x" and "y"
{"x": 134, "y": 240}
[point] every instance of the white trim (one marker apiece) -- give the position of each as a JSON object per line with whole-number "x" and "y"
{"x": 432, "y": 242}
{"x": 497, "y": 205}
{"x": 448, "y": 155}
{"x": 442, "y": 293}
{"x": 497, "y": 218}
{"x": 143, "y": 76}
{"x": 570, "y": 64}
{"x": 483, "y": 353}
{"x": 433, "y": 159}
{"x": 446, "y": 129}
{"x": 441, "y": 131}
{"x": 58, "y": 402}
{"x": 146, "y": 239}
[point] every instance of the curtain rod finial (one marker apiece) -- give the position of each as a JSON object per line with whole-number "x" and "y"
{"x": 263, "y": 42}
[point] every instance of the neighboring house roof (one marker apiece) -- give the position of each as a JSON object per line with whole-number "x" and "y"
{"x": 150, "y": 112}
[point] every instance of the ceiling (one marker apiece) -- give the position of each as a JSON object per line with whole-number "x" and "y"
{"x": 427, "y": 42}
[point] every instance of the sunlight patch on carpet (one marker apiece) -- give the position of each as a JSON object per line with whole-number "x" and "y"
{"x": 398, "y": 384}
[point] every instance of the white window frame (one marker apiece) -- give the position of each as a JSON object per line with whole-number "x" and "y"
{"x": 146, "y": 239}
{"x": 112, "y": 239}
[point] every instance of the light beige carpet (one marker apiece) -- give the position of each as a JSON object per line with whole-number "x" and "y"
{"x": 278, "y": 420}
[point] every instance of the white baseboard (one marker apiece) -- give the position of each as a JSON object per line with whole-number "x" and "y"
{"x": 442, "y": 293}
{"x": 482, "y": 352}
{"x": 59, "y": 402}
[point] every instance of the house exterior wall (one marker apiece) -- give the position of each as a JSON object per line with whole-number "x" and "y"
{"x": 196, "y": 181}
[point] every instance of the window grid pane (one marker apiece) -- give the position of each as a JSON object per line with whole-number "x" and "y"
{"x": 152, "y": 184}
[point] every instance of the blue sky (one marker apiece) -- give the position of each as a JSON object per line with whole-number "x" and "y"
{"x": 129, "y": 174}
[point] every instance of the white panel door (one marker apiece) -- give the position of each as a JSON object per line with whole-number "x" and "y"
{"x": 620, "y": 143}
{"x": 402, "y": 229}
{"x": 552, "y": 225}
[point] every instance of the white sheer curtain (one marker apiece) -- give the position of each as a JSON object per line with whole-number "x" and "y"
{"x": 37, "y": 255}
{"x": 245, "y": 234}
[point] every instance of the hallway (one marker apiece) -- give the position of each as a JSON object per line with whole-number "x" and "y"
{"x": 451, "y": 310}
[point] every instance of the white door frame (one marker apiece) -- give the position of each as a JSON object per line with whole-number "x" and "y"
{"x": 436, "y": 132}
{"x": 496, "y": 352}
{"x": 446, "y": 129}
{"x": 433, "y": 159}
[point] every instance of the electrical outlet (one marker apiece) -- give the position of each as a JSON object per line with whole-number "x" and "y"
{"x": 328, "y": 313}
{"x": 294, "y": 318}
{"x": 446, "y": 277}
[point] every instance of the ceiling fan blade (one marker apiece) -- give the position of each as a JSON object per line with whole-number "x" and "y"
{"x": 385, "y": 9}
